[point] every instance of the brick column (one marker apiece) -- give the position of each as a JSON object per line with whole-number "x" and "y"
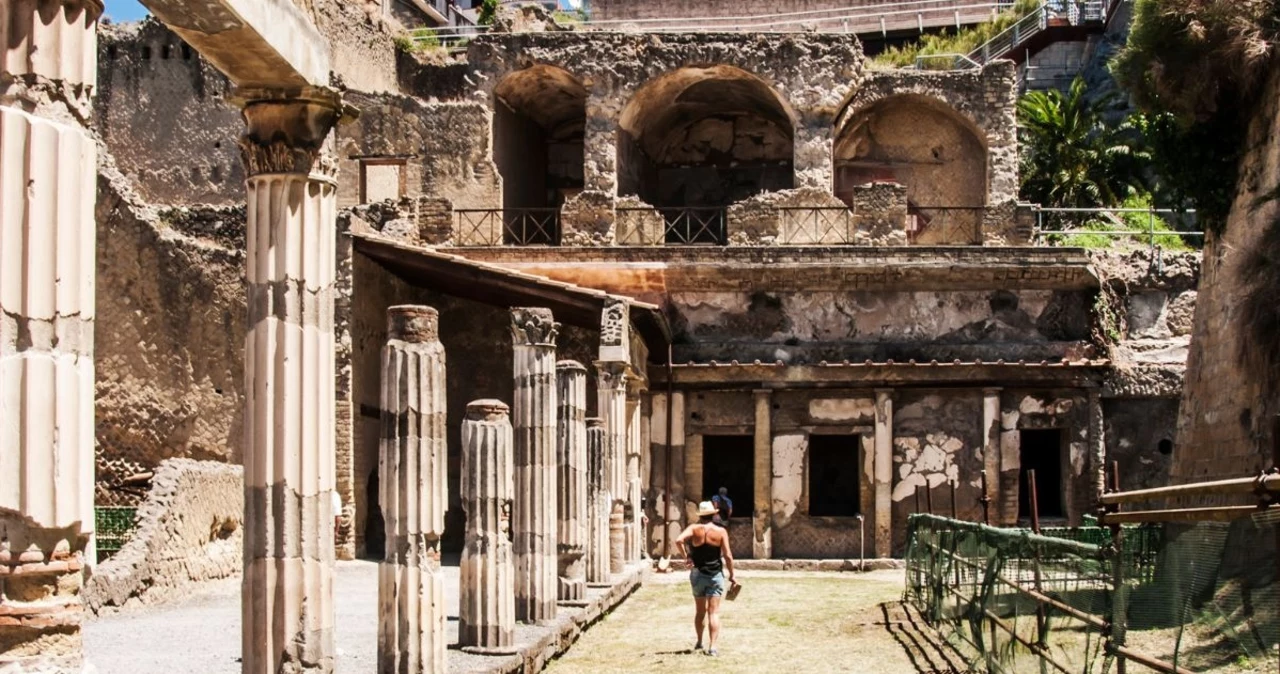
{"x": 599, "y": 504}
{"x": 884, "y": 472}
{"x": 289, "y": 373}
{"x": 486, "y": 574}
{"x": 534, "y": 422}
{"x": 571, "y": 455}
{"x": 761, "y": 510}
{"x": 412, "y": 470}
{"x": 48, "y": 173}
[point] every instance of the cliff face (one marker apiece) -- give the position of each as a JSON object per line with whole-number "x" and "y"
{"x": 1225, "y": 426}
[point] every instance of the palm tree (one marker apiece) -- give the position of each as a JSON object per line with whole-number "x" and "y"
{"x": 1071, "y": 157}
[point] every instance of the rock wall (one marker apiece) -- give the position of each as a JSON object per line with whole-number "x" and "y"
{"x": 1225, "y": 426}
{"x": 189, "y": 530}
{"x": 170, "y": 329}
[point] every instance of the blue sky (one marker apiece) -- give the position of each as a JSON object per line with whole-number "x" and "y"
{"x": 125, "y": 10}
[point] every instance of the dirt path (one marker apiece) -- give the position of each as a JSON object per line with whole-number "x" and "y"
{"x": 789, "y": 623}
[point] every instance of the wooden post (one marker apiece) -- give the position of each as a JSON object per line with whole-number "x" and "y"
{"x": 1119, "y": 602}
{"x": 928, "y": 498}
{"x": 954, "y": 512}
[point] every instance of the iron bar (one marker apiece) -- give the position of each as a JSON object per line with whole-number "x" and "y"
{"x": 1239, "y": 485}
{"x": 953, "y": 499}
{"x": 1119, "y": 595}
{"x": 1035, "y": 503}
{"x": 1212, "y": 514}
{"x": 1145, "y": 661}
{"x": 928, "y": 497}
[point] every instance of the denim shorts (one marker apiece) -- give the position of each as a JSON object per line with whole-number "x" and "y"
{"x": 707, "y": 585}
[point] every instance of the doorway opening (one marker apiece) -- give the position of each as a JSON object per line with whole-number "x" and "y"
{"x": 1041, "y": 451}
{"x": 834, "y": 477}
{"x": 729, "y": 461}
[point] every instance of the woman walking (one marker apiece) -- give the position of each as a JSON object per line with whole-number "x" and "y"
{"x": 708, "y": 554}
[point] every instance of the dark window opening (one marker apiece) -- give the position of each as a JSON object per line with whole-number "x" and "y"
{"x": 729, "y": 461}
{"x": 146, "y": 53}
{"x": 166, "y": 51}
{"x": 186, "y": 52}
{"x": 833, "y": 475}
{"x": 112, "y": 52}
{"x": 1041, "y": 451}
{"x": 1165, "y": 447}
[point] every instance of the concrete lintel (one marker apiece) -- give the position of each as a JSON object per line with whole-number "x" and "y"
{"x": 254, "y": 42}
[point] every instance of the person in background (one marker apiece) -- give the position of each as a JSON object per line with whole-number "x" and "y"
{"x": 724, "y": 507}
{"x": 708, "y": 555}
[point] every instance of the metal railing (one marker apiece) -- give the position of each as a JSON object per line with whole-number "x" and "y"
{"x": 1076, "y": 12}
{"x": 910, "y": 14}
{"x": 1057, "y": 225}
{"x": 674, "y": 226}
{"x": 946, "y": 225}
{"x": 816, "y": 225}
{"x": 509, "y": 226}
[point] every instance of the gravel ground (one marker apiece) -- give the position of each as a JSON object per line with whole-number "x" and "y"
{"x": 202, "y": 632}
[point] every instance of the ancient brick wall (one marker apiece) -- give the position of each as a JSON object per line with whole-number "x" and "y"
{"x": 1224, "y": 429}
{"x": 189, "y": 530}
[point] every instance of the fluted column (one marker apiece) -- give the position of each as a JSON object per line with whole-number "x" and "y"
{"x": 632, "y": 510}
{"x": 412, "y": 469}
{"x": 487, "y": 612}
{"x": 48, "y": 63}
{"x": 287, "y": 599}
{"x": 599, "y": 503}
{"x": 571, "y": 455}
{"x": 533, "y": 331}
{"x": 611, "y": 393}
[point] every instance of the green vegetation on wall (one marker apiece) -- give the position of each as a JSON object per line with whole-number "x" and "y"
{"x": 962, "y": 41}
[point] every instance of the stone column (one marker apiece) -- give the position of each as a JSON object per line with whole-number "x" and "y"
{"x": 668, "y": 467}
{"x": 884, "y": 472}
{"x": 611, "y": 393}
{"x": 486, "y": 574}
{"x": 412, "y": 470}
{"x": 617, "y": 538}
{"x": 762, "y": 499}
{"x": 534, "y": 422}
{"x": 599, "y": 504}
{"x": 571, "y": 455}
{"x": 48, "y": 173}
{"x": 289, "y": 373}
{"x": 632, "y": 510}
{"x": 991, "y": 449}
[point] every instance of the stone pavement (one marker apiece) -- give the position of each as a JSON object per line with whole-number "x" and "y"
{"x": 202, "y": 632}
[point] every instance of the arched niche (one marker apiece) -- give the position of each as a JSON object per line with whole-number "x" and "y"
{"x": 704, "y": 137}
{"x": 539, "y": 117}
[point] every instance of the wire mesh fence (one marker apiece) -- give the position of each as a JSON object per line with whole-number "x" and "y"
{"x": 113, "y": 527}
{"x": 1157, "y": 598}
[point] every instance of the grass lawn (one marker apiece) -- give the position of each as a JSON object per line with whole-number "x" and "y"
{"x": 790, "y": 623}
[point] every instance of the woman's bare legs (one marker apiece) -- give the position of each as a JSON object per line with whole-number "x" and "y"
{"x": 699, "y": 619}
{"x": 713, "y": 607}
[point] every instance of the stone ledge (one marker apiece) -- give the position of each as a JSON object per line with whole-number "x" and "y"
{"x": 817, "y": 564}
{"x": 533, "y": 655}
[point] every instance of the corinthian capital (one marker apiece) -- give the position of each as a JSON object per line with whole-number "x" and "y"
{"x": 533, "y": 326}
{"x": 286, "y": 129}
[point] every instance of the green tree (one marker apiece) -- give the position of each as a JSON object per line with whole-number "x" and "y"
{"x": 1071, "y": 156}
{"x": 488, "y": 12}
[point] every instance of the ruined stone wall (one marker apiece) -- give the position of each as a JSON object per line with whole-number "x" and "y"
{"x": 162, "y": 112}
{"x": 189, "y": 530}
{"x": 170, "y": 329}
{"x": 1225, "y": 425}
{"x": 855, "y": 325}
{"x": 446, "y": 147}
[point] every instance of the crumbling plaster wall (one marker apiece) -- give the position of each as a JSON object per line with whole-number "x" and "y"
{"x": 791, "y": 326}
{"x": 1067, "y": 410}
{"x": 190, "y": 529}
{"x": 937, "y": 441}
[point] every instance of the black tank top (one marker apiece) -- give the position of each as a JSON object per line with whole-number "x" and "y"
{"x": 706, "y": 558}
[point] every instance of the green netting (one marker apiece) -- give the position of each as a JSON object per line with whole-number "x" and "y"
{"x": 113, "y": 526}
{"x": 1200, "y": 597}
